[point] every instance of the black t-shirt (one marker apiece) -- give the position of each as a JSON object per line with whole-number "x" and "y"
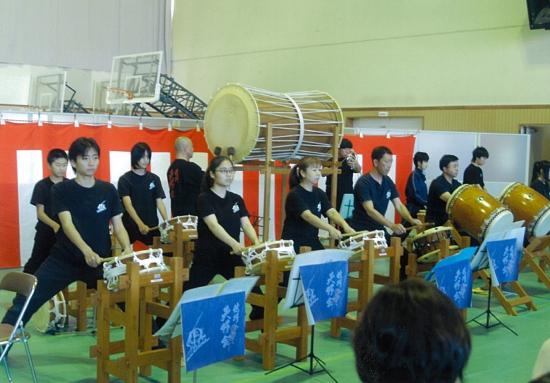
{"x": 41, "y": 195}
{"x": 436, "y": 211}
{"x": 228, "y": 211}
{"x": 473, "y": 175}
{"x": 295, "y": 227}
{"x": 542, "y": 187}
{"x": 184, "y": 180}
{"x": 368, "y": 189}
{"x": 91, "y": 210}
{"x": 143, "y": 191}
{"x": 344, "y": 182}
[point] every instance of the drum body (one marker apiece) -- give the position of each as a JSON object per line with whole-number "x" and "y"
{"x": 356, "y": 242}
{"x": 476, "y": 212}
{"x": 52, "y": 316}
{"x": 528, "y": 205}
{"x": 426, "y": 244}
{"x": 150, "y": 261}
{"x": 166, "y": 228}
{"x": 303, "y": 123}
{"x": 255, "y": 256}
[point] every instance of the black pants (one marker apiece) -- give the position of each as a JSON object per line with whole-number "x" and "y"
{"x": 206, "y": 266}
{"x": 44, "y": 239}
{"x": 53, "y": 276}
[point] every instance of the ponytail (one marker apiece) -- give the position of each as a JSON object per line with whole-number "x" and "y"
{"x": 295, "y": 176}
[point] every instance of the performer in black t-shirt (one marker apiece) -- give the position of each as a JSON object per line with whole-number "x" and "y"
{"x": 372, "y": 193}
{"x": 540, "y": 178}
{"x": 85, "y": 206}
{"x": 441, "y": 189}
{"x": 416, "y": 190}
{"x": 221, "y": 214}
{"x": 142, "y": 194}
{"x": 184, "y": 179}
{"x": 348, "y": 165}
{"x": 473, "y": 175}
{"x": 304, "y": 205}
{"x": 48, "y": 224}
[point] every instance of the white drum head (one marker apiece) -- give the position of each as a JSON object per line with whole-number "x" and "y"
{"x": 232, "y": 120}
{"x": 502, "y": 222}
{"x": 543, "y": 225}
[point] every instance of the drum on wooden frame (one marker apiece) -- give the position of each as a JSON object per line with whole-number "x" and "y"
{"x": 255, "y": 256}
{"x": 476, "y": 212}
{"x": 303, "y": 123}
{"x": 528, "y": 205}
{"x": 426, "y": 245}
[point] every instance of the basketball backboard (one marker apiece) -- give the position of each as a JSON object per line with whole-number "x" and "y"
{"x": 48, "y": 92}
{"x": 135, "y": 78}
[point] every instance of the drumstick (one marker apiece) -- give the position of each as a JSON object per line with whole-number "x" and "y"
{"x": 348, "y": 234}
{"x": 420, "y": 225}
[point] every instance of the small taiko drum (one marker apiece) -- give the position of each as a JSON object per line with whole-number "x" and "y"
{"x": 303, "y": 123}
{"x": 528, "y": 205}
{"x": 356, "y": 242}
{"x": 52, "y": 316}
{"x": 150, "y": 261}
{"x": 426, "y": 245}
{"x": 187, "y": 222}
{"x": 478, "y": 213}
{"x": 255, "y": 256}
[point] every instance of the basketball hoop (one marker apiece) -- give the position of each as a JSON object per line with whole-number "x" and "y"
{"x": 116, "y": 93}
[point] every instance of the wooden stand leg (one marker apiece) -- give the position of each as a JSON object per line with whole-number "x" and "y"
{"x": 509, "y": 304}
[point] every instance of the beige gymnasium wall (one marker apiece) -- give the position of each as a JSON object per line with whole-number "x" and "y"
{"x": 430, "y": 58}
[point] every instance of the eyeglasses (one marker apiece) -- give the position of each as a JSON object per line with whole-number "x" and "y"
{"x": 226, "y": 171}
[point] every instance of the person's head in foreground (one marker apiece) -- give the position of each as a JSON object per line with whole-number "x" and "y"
{"x": 411, "y": 332}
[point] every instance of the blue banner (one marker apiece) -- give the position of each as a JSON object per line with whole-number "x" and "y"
{"x": 504, "y": 261}
{"x": 453, "y": 276}
{"x": 213, "y": 329}
{"x": 326, "y": 290}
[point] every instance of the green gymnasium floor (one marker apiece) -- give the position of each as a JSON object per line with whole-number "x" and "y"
{"x": 498, "y": 355}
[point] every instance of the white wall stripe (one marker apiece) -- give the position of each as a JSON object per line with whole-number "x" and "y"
{"x": 29, "y": 172}
{"x": 390, "y": 213}
{"x": 237, "y": 188}
{"x": 160, "y": 162}
{"x": 272, "y": 220}
{"x": 119, "y": 163}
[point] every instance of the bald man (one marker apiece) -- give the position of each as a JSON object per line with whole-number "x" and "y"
{"x": 184, "y": 179}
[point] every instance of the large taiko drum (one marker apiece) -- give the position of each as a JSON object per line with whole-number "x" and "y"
{"x": 303, "y": 123}
{"x": 478, "y": 213}
{"x": 528, "y": 205}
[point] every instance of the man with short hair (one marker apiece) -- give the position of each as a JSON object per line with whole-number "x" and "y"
{"x": 372, "y": 193}
{"x": 184, "y": 179}
{"x": 441, "y": 189}
{"x": 85, "y": 207}
{"x": 416, "y": 190}
{"x": 348, "y": 165}
{"x": 473, "y": 174}
{"x": 48, "y": 224}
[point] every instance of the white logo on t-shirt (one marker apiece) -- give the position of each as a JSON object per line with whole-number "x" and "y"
{"x": 319, "y": 206}
{"x": 235, "y": 208}
{"x": 101, "y": 207}
{"x": 388, "y": 194}
{"x": 152, "y": 185}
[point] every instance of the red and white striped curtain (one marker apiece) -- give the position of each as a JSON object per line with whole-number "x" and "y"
{"x": 24, "y": 147}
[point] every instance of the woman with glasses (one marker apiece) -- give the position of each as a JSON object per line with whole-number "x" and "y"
{"x": 221, "y": 214}
{"x": 304, "y": 205}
